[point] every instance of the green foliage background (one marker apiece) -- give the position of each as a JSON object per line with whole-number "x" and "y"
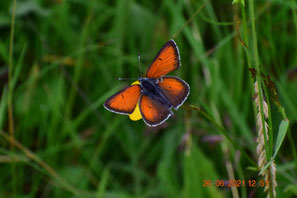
{"x": 66, "y": 55}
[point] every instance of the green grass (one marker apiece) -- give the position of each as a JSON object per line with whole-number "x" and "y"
{"x": 59, "y": 60}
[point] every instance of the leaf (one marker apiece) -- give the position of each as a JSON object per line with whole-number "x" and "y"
{"x": 282, "y": 131}
{"x": 18, "y": 67}
{"x": 103, "y": 183}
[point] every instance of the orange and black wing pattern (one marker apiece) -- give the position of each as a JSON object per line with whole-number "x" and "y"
{"x": 175, "y": 90}
{"x": 125, "y": 101}
{"x": 152, "y": 111}
{"x": 167, "y": 60}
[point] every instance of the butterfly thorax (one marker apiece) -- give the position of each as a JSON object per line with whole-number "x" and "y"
{"x": 150, "y": 87}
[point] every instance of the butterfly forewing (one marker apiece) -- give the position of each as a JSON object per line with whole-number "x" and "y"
{"x": 167, "y": 60}
{"x": 175, "y": 90}
{"x": 152, "y": 111}
{"x": 124, "y": 102}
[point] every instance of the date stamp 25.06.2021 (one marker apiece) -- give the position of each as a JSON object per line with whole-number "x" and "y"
{"x": 235, "y": 183}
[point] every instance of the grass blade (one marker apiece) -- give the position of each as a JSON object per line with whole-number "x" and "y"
{"x": 283, "y": 128}
{"x": 282, "y": 131}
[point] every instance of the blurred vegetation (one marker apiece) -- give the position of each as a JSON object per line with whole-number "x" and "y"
{"x": 59, "y": 141}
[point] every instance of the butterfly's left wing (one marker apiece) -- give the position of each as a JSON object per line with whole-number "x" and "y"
{"x": 167, "y": 60}
{"x": 175, "y": 90}
{"x": 125, "y": 101}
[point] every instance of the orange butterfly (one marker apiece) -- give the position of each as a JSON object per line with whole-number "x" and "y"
{"x": 156, "y": 93}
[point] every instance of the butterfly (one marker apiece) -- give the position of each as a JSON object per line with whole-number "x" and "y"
{"x": 155, "y": 94}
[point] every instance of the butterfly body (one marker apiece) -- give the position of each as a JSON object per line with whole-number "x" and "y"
{"x": 150, "y": 87}
{"x": 155, "y": 94}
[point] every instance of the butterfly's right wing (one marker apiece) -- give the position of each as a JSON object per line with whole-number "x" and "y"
{"x": 125, "y": 101}
{"x": 153, "y": 112}
{"x": 175, "y": 90}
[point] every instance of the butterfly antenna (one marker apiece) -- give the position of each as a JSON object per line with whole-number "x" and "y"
{"x": 139, "y": 71}
{"x": 139, "y": 65}
{"x": 126, "y": 78}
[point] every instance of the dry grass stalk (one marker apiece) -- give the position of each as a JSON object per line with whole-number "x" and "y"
{"x": 270, "y": 173}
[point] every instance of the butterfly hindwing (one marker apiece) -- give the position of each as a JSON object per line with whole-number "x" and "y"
{"x": 175, "y": 90}
{"x": 152, "y": 111}
{"x": 125, "y": 101}
{"x": 167, "y": 60}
